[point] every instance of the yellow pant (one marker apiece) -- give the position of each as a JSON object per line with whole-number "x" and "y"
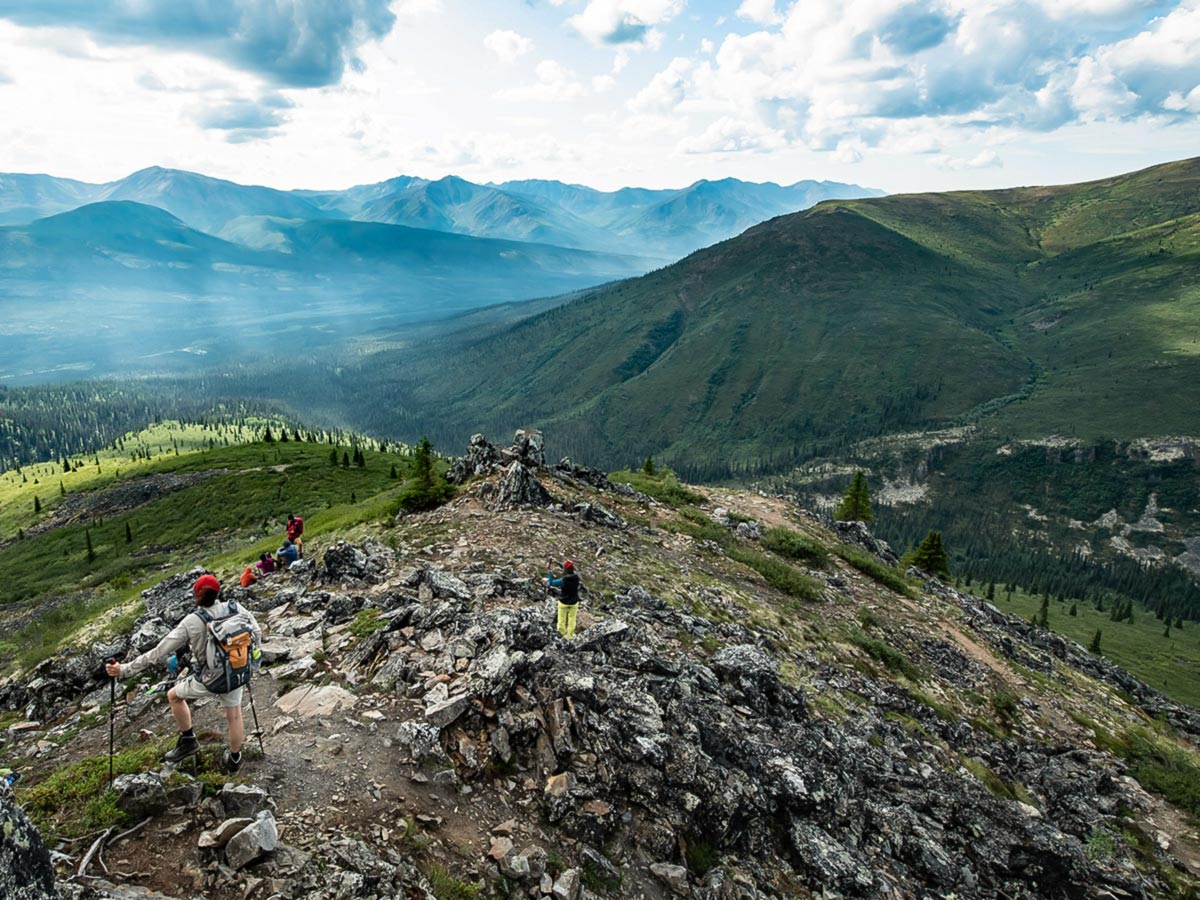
{"x": 566, "y": 619}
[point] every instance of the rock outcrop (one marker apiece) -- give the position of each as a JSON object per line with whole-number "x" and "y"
{"x": 25, "y": 869}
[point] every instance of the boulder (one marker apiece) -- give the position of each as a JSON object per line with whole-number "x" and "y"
{"x": 218, "y": 837}
{"x": 141, "y": 796}
{"x": 441, "y": 709}
{"x": 257, "y": 838}
{"x": 245, "y": 800}
{"x": 674, "y": 877}
{"x": 481, "y": 458}
{"x": 519, "y": 486}
{"x": 567, "y": 886}
{"x": 528, "y": 448}
{"x": 26, "y": 872}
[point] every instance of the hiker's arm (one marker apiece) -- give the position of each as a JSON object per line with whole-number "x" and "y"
{"x": 552, "y": 581}
{"x": 178, "y": 637}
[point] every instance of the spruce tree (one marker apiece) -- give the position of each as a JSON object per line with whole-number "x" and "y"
{"x": 1073, "y": 611}
{"x": 37, "y": 504}
{"x": 128, "y": 534}
{"x": 648, "y": 467}
{"x": 91, "y": 553}
{"x": 267, "y": 436}
{"x": 1043, "y": 616}
{"x": 1167, "y": 630}
{"x": 393, "y": 474}
{"x": 333, "y": 457}
{"x": 422, "y": 465}
{"x": 991, "y": 594}
{"x": 62, "y": 491}
{"x": 931, "y": 557}
{"x": 345, "y": 460}
{"x": 856, "y": 502}
{"x": 1094, "y": 646}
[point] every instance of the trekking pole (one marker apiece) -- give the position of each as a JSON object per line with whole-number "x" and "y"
{"x": 112, "y": 717}
{"x": 254, "y": 712}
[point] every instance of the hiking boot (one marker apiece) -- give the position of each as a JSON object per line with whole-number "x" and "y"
{"x": 187, "y": 746}
{"x": 228, "y": 765}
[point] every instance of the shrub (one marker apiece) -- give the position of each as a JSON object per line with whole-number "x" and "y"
{"x": 893, "y": 660}
{"x": 794, "y": 546}
{"x": 873, "y": 568}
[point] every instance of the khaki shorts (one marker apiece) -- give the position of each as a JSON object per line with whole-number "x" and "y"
{"x": 191, "y": 689}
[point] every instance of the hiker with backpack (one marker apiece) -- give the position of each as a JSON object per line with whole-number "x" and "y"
{"x": 568, "y": 603}
{"x": 223, "y": 638}
{"x": 295, "y": 533}
{"x": 286, "y": 555}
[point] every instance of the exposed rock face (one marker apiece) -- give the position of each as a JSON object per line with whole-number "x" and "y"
{"x": 520, "y": 487}
{"x": 25, "y": 869}
{"x": 858, "y": 533}
{"x": 481, "y": 458}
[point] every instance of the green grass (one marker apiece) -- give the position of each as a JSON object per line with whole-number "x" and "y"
{"x": 1169, "y": 664}
{"x": 446, "y": 887}
{"x": 892, "y": 659}
{"x": 223, "y": 522}
{"x": 663, "y": 486}
{"x": 75, "y": 799}
{"x": 888, "y": 576}
{"x": 1156, "y": 761}
{"x": 793, "y": 545}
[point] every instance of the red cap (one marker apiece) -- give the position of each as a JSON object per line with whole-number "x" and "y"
{"x": 205, "y": 583}
{"x": 568, "y": 565}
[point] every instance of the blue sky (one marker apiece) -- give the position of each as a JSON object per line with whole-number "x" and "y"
{"x": 916, "y": 95}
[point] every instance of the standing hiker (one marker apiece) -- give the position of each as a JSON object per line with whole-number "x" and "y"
{"x": 194, "y": 632}
{"x": 568, "y": 603}
{"x": 295, "y": 533}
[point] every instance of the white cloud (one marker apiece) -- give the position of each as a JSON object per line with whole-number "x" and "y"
{"x": 508, "y": 46}
{"x": 707, "y": 47}
{"x": 555, "y": 83}
{"x": 987, "y": 159}
{"x": 625, "y": 22}
{"x": 666, "y": 90}
{"x": 602, "y": 83}
{"x": 495, "y": 151}
{"x": 730, "y": 135}
{"x": 760, "y": 11}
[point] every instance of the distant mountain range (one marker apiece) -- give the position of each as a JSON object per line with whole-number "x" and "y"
{"x": 663, "y": 224}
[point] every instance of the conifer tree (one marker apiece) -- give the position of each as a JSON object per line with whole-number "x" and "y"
{"x": 1073, "y": 611}
{"x": 930, "y": 556}
{"x": 333, "y": 457}
{"x": 128, "y": 534}
{"x": 345, "y": 460}
{"x": 20, "y": 534}
{"x": 37, "y": 504}
{"x": 1043, "y": 616}
{"x": 91, "y": 553}
{"x": 648, "y": 467}
{"x": 1167, "y": 630}
{"x": 1094, "y": 646}
{"x": 991, "y": 594}
{"x": 856, "y": 502}
{"x": 267, "y": 436}
{"x": 62, "y": 491}
{"x": 422, "y": 465}
{"x": 393, "y": 474}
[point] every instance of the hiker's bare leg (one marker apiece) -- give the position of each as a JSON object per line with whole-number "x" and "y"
{"x": 237, "y": 729}
{"x": 179, "y": 709}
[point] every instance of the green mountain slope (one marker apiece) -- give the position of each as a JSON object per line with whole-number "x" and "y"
{"x": 1033, "y": 310}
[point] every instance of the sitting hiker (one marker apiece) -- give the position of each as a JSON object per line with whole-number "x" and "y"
{"x": 295, "y": 533}
{"x": 193, "y": 632}
{"x": 287, "y": 554}
{"x": 248, "y": 576}
{"x": 568, "y": 603}
{"x": 265, "y": 564}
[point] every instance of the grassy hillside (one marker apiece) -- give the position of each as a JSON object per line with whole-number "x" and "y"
{"x": 1029, "y": 311}
{"x": 221, "y": 507}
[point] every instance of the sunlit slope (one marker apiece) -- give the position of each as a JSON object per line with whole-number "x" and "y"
{"x": 1068, "y": 309}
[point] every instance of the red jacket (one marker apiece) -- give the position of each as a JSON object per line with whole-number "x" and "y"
{"x": 295, "y": 529}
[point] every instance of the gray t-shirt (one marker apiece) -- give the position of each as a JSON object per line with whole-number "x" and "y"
{"x": 192, "y": 632}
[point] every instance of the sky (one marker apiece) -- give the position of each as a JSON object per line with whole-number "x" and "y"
{"x": 902, "y": 95}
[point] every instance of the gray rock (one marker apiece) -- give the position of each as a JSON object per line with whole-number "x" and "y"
{"x": 26, "y": 872}
{"x": 245, "y": 800}
{"x": 441, "y": 709}
{"x": 421, "y": 741}
{"x": 252, "y": 842}
{"x": 674, "y": 877}
{"x": 141, "y": 796}
{"x": 520, "y": 487}
{"x": 567, "y": 885}
{"x": 218, "y": 837}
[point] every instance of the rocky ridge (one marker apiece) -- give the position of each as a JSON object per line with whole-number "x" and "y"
{"x": 702, "y": 736}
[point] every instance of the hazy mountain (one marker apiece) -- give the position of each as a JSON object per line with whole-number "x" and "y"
{"x": 98, "y": 287}
{"x": 206, "y": 203}
{"x": 24, "y": 198}
{"x": 658, "y": 224}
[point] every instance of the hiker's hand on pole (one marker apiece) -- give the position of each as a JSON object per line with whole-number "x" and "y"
{"x": 113, "y": 668}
